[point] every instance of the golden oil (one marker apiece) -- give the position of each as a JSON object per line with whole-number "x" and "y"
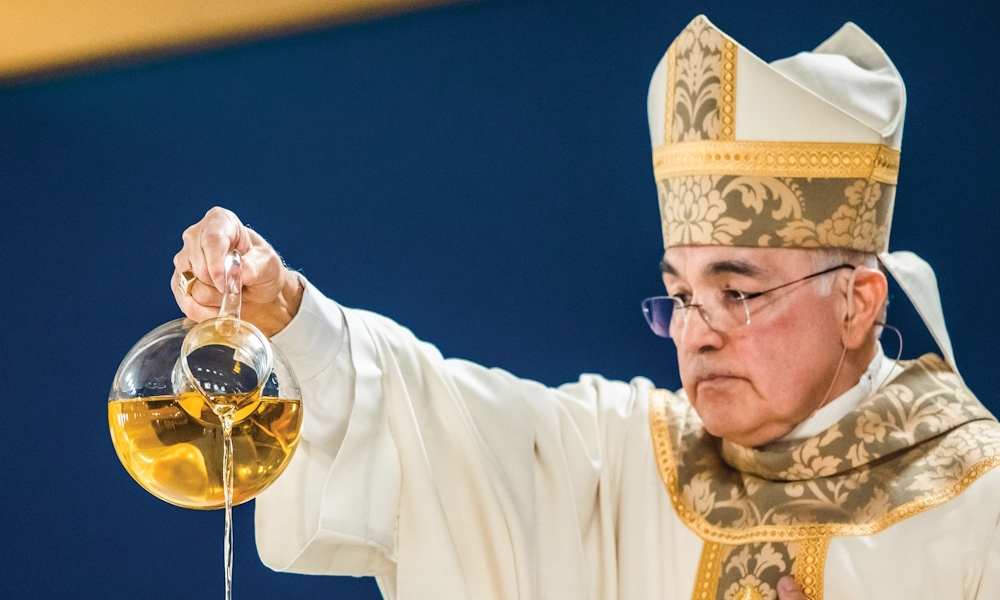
{"x": 173, "y": 446}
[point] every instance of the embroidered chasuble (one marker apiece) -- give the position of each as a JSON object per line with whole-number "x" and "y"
{"x": 772, "y": 511}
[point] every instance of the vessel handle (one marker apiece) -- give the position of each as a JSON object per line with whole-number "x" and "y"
{"x": 232, "y": 299}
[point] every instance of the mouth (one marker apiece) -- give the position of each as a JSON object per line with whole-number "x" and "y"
{"x": 715, "y": 379}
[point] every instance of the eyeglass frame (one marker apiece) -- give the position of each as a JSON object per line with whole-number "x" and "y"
{"x": 744, "y": 297}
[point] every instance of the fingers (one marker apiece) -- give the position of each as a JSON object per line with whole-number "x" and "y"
{"x": 206, "y": 244}
{"x": 263, "y": 271}
{"x": 203, "y": 253}
{"x": 218, "y": 232}
{"x": 206, "y": 295}
{"x": 788, "y": 589}
{"x": 203, "y": 303}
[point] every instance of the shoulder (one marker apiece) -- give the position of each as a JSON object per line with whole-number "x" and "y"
{"x": 609, "y": 396}
{"x": 962, "y": 457}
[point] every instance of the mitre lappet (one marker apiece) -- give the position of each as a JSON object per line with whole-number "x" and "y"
{"x": 802, "y": 152}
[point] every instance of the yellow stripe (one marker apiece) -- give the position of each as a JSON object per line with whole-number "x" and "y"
{"x": 810, "y": 565}
{"x": 668, "y": 117}
{"x": 38, "y": 35}
{"x": 727, "y": 92}
{"x": 706, "y": 581}
{"x": 874, "y": 162}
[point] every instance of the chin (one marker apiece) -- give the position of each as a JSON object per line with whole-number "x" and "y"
{"x": 724, "y": 416}
{"x": 716, "y": 414}
{"x": 725, "y": 430}
{"x": 730, "y": 432}
{"x": 742, "y": 434}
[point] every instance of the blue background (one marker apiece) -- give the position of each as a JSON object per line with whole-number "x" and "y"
{"x": 480, "y": 173}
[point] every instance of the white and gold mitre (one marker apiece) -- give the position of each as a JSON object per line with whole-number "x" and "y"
{"x": 802, "y": 152}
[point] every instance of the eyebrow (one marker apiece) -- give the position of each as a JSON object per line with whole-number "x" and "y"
{"x": 734, "y": 267}
{"x": 721, "y": 267}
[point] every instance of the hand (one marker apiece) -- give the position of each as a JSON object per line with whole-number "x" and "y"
{"x": 271, "y": 292}
{"x": 788, "y": 589}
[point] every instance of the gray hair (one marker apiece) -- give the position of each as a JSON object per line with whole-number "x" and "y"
{"x": 825, "y": 258}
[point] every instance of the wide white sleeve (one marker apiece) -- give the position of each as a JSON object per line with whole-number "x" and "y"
{"x": 451, "y": 478}
{"x": 306, "y": 522}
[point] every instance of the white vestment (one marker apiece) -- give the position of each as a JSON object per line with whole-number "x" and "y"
{"x": 445, "y": 479}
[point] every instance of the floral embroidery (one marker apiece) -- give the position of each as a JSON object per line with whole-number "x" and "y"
{"x": 808, "y": 462}
{"x": 754, "y": 211}
{"x": 853, "y": 225}
{"x": 746, "y": 569}
{"x": 697, "y": 81}
{"x": 699, "y": 493}
{"x": 693, "y": 210}
{"x": 871, "y": 427}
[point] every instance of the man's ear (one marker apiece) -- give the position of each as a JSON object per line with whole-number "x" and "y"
{"x": 865, "y": 301}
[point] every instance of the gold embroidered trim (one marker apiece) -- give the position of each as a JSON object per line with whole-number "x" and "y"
{"x": 727, "y": 102}
{"x": 810, "y": 563}
{"x": 665, "y": 462}
{"x": 668, "y": 117}
{"x": 828, "y": 160}
{"x": 706, "y": 582}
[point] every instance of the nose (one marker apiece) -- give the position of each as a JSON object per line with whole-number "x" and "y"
{"x": 696, "y": 334}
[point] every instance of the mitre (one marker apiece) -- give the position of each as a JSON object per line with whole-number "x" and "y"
{"x": 802, "y": 152}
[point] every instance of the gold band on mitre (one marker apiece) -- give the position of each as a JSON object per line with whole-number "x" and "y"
{"x": 716, "y": 189}
{"x": 826, "y": 160}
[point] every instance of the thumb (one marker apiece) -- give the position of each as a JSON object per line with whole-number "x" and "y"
{"x": 788, "y": 589}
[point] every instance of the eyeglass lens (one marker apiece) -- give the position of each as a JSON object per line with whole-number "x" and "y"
{"x": 658, "y": 312}
{"x": 723, "y": 312}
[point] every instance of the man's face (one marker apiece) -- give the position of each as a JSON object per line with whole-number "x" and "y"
{"x": 757, "y": 382}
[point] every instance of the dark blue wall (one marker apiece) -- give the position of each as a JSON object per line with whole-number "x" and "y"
{"x": 479, "y": 173}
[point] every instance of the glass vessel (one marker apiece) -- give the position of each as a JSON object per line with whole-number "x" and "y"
{"x": 181, "y": 384}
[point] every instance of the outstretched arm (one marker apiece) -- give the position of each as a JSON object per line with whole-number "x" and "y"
{"x": 439, "y": 476}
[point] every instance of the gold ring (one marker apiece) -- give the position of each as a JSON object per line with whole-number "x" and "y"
{"x": 185, "y": 281}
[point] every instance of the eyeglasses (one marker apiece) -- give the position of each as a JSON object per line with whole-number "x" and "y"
{"x": 723, "y": 310}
